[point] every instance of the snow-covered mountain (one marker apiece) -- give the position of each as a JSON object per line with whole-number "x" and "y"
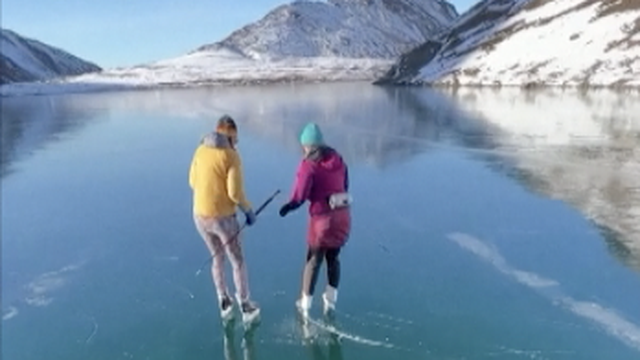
{"x": 530, "y": 43}
{"x": 381, "y": 29}
{"x": 330, "y": 40}
{"x": 24, "y": 59}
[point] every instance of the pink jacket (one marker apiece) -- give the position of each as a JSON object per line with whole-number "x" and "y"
{"x": 320, "y": 175}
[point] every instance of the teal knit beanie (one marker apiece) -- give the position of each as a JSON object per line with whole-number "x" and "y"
{"x": 311, "y": 135}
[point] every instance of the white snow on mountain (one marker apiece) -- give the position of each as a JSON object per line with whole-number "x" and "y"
{"x": 24, "y": 59}
{"x": 535, "y": 42}
{"x": 308, "y": 41}
{"x": 209, "y": 68}
{"x": 225, "y": 67}
{"x": 341, "y": 28}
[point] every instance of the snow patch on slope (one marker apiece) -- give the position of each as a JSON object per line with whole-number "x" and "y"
{"x": 537, "y": 42}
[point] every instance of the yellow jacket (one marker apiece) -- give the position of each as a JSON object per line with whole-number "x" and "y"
{"x": 216, "y": 179}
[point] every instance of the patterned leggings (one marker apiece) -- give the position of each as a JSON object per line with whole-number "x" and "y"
{"x": 217, "y": 234}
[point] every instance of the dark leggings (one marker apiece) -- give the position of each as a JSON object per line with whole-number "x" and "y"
{"x": 312, "y": 268}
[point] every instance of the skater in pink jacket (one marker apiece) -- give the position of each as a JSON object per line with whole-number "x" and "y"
{"x": 322, "y": 179}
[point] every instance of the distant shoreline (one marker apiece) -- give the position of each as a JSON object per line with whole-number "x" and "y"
{"x": 61, "y": 88}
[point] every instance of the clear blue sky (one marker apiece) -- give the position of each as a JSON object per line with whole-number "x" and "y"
{"x": 128, "y": 32}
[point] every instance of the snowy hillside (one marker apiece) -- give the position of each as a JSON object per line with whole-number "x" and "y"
{"x": 335, "y": 40}
{"x": 530, "y": 43}
{"x": 25, "y": 59}
{"x": 341, "y": 28}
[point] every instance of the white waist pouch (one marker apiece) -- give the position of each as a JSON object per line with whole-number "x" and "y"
{"x": 339, "y": 200}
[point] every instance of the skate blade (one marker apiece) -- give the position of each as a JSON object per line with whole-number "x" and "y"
{"x": 227, "y": 315}
{"x": 252, "y": 318}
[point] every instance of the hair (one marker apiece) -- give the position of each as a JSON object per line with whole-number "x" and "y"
{"x": 227, "y": 126}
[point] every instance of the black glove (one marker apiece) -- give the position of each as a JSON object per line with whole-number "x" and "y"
{"x": 250, "y": 217}
{"x": 286, "y": 208}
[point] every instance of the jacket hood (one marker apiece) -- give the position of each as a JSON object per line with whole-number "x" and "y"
{"x": 326, "y": 157}
{"x": 216, "y": 140}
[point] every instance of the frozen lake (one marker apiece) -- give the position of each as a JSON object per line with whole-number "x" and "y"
{"x": 487, "y": 225}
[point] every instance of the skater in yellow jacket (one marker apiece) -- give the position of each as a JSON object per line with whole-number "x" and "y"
{"x": 215, "y": 176}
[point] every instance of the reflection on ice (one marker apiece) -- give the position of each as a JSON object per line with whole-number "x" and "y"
{"x": 583, "y": 149}
{"x": 370, "y": 125}
{"x": 29, "y": 123}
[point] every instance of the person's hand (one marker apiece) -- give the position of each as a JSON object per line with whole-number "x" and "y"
{"x": 286, "y": 208}
{"x": 250, "y": 217}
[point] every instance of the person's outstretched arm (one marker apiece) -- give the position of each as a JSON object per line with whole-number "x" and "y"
{"x": 301, "y": 189}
